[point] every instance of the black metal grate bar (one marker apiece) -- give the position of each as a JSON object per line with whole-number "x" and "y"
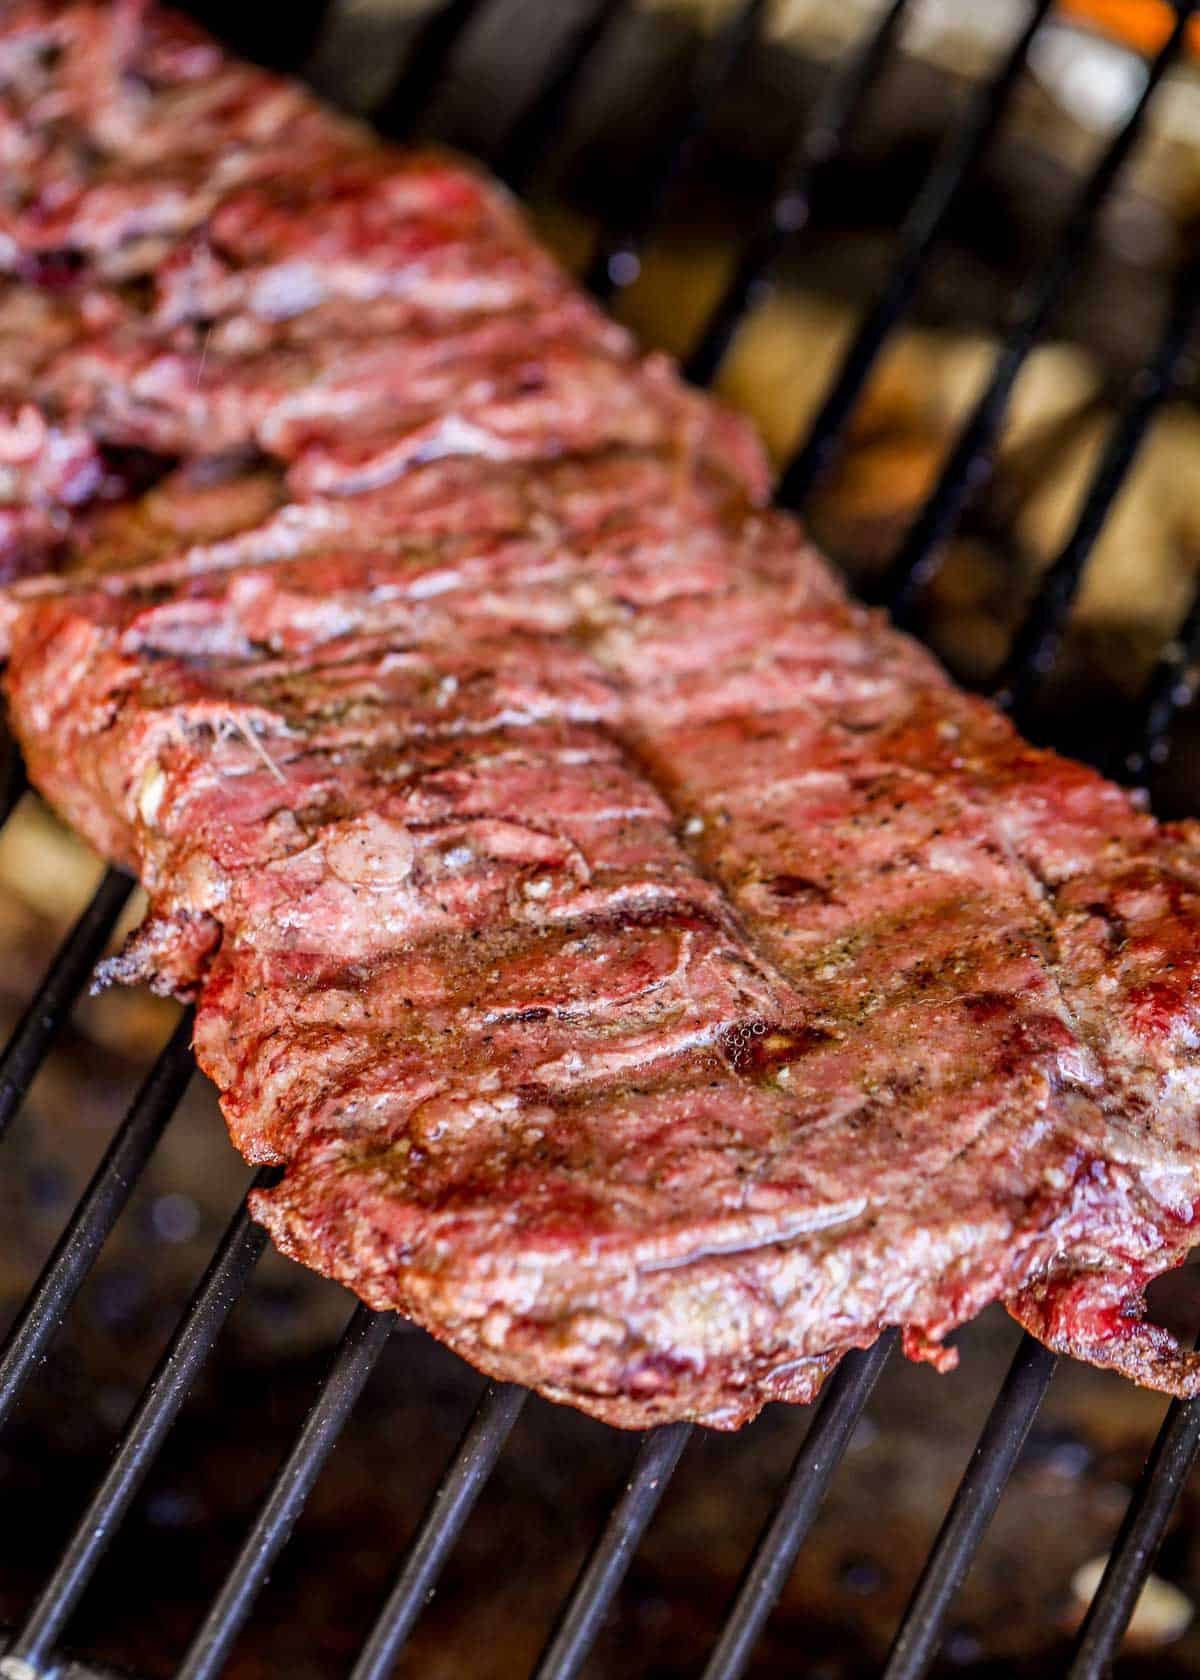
{"x": 440, "y": 1528}
{"x": 822, "y": 139}
{"x": 436, "y": 39}
{"x": 964, "y": 146}
{"x": 969, "y": 463}
{"x": 12, "y": 782}
{"x": 31, "y": 1041}
{"x": 841, "y": 1405}
{"x": 98, "y": 1211}
{"x": 972, "y": 1510}
{"x": 1040, "y": 637}
{"x": 601, "y": 1576}
{"x": 1171, "y": 687}
{"x": 144, "y": 1434}
{"x": 362, "y": 1343}
{"x": 535, "y": 127}
{"x": 1140, "y": 1535}
{"x": 615, "y": 262}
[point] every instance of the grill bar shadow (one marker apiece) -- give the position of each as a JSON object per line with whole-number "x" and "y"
{"x": 531, "y": 132}
{"x": 398, "y": 111}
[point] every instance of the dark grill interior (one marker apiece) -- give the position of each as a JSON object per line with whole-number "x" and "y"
{"x": 1129, "y": 750}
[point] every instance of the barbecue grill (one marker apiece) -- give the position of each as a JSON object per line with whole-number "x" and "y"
{"x": 1130, "y": 752}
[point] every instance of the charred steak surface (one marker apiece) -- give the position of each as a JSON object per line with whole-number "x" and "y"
{"x": 652, "y": 974}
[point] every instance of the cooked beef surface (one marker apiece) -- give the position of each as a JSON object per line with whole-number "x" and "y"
{"x": 654, "y": 976}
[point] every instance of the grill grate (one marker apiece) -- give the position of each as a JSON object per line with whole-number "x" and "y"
{"x": 532, "y": 131}
{"x": 1037, "y": 643}
{"x": 362, "y": 1343}
{"x": 836, "y": 1418}
{"x": 926, "y": 220}
{"x": 601, "y": 1575}
{"x": 970, "y": 459}
{"x": 451, "y": 1505}
{"x": 613, "y": 264}
{"x": 971, "y": 1510}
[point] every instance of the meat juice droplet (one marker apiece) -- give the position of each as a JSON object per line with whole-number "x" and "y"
{"x": 370, "y": 852}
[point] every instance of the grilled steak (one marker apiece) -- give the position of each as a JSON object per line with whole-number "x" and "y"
{"x": 652, "y": 974}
